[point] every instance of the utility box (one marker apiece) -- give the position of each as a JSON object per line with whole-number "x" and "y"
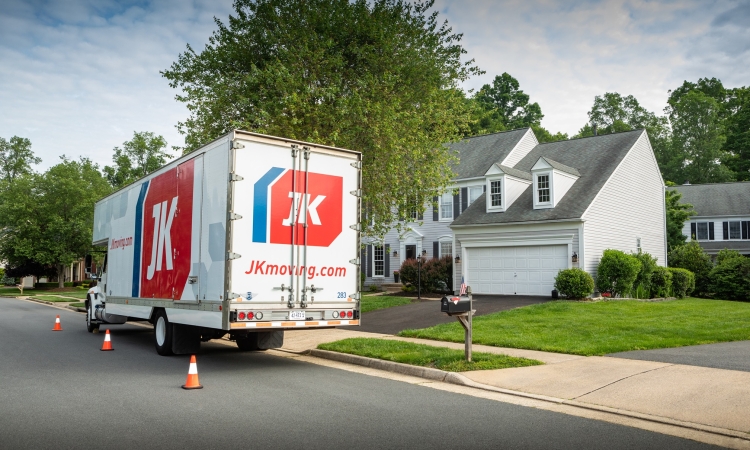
{"x": 455, "y": 304}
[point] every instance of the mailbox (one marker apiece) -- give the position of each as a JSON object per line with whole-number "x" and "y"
{"x": 455, "y": 304}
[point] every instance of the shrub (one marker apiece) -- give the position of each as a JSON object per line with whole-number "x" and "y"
{"x": 408, "y": 271}
{"x": 574, "y": 283}
{"x": 643, "y": 280}
{"x": 661, "y": 282}
{"x": 616, "y": 273}
{"x": 726, "y": 254}
{"x": 692, "y": 257}
{"x": 683, "y": 282}
{"x": 436, "y": 274}
{"x": 730, "y": 279}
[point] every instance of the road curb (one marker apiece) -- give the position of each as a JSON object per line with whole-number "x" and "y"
{"x": 457, "y": 378}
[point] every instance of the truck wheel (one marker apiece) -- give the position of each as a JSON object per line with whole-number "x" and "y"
{"x": 248, "y": 342}
{"x": 90, "y": 326}
{"x": 162, "y": 333}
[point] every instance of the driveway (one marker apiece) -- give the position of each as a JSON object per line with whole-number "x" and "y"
{"x": 427, "y": 313}
{"x": 725, "y": 355}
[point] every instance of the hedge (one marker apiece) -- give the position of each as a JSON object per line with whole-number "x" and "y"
{"x": 683, "y": 282}
{"x": 574, "y": 283}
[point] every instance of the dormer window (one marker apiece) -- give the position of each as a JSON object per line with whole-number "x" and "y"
{"x": 496, "y": 193}
{"x": 542, "y": 183}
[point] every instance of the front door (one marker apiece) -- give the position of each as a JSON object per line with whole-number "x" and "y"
{"x": 411, "y": 252}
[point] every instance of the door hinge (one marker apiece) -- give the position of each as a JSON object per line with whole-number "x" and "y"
{"x": 356, "y": 164}
{"x": 357, "y": 193}
{"x": 233, "y": 216}
{"x": 235, "y": 177}
{"x": 355, "y": 227}
{"x": 354, "y": 261}
{"x": 232, "y": 255}
{"x": 237, "y": 145}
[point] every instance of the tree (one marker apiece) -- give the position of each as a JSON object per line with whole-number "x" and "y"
{"x": 677, "y": 214}
{"x": 506, "y": 106}
{"x": 16, "y": 158}
{"x": 47, "y": 219}
{"x": 697, "y": 141}
{"x": 137, "y": 158}
{"x": 738, "y": 135}
{"x": 380, "y": 77}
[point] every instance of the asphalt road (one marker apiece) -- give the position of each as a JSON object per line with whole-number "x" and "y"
{"x": 427, "y": 313}
{"x": 57, "y": 390}
{"x": 725, "y": 355}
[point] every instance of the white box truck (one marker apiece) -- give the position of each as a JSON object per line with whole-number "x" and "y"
{"x": 249, "y": 235}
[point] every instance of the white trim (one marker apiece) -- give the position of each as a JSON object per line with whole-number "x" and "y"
{"x": 440, "y": 207}
{"x": 372, "y": 260}
{"x": 528, "y": 222}
{"x": 510, "y": 153}
{"x": 488, "y": 198}
{"x": 517, "y": 241}
{"x": 535, "y": 180}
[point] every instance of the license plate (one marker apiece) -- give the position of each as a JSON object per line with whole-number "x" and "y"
{"x": 296, "y": 315}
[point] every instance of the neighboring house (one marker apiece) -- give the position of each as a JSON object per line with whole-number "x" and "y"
{"x": 527, "y": 210}
{"x": 722, "y": 218}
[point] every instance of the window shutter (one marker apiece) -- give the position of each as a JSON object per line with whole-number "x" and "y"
{"x": 435, "y": 206}
{"x": 693, "y": 232}
{"x": 387, "y": 260}
{"x": 711, "y": 231}
{"x": 456, "y": 207}
{"x": 363, "y": 260}
{"x": 464, "y": 198}
{"x": 745, "y": 229}
{"x": 436, "y": 249}
{"x": 725, "y": 230}
{"x": 369, "y": 258}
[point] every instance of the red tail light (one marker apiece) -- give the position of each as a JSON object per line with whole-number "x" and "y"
{"x": 250, "y": 315}
{"x": 349, "y": 314}
{"x": 241, "y": 315}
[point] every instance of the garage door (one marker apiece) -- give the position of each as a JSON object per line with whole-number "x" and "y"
{"x": 515, "y": 270}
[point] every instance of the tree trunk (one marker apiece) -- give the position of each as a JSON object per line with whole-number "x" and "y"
{"x": 60, "y": 276}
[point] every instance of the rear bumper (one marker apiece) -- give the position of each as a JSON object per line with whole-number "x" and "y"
{"x": 292, "y": 324}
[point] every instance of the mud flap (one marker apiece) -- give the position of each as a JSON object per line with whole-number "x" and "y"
{"x": 270, "y": 339}
{"x": 186, "y": 339}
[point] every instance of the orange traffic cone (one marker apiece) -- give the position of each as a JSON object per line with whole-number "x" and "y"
{"x": 192, "y": 378}
{"x": 107, "y": 345}
{"x": 57, "y": 327}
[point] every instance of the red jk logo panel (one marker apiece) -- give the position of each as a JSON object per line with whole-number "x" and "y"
{"x": 167, "y": 233}
{"x": 320, "y": 209}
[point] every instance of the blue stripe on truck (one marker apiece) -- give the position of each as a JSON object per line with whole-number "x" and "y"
{"x": 137, "y": 240}
{"x": 260, "y": 204}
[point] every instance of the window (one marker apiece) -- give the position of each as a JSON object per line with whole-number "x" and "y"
{"x": 496, "y": 195}
{"x": 474, "y": 193}
{"x": 446, "y": 206}
{"x": 736, "y": 230}
{"x": 378, "y": 260}
{"x": 542, "y": 186}
{"x": 446, "y": 248}
{"x": 702, "y": 231}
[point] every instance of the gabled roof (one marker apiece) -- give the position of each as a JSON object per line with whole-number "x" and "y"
{"x": 561, "y": 167}
{"x": 717, "y": 199}
{"x": 513, "y": 172}
{"x": 476, "y": 154}
{"x": 596, "y": 157}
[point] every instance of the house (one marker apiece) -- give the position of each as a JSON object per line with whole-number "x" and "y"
{"x": 527, "y": 210}
{"x": 722, "y": 218}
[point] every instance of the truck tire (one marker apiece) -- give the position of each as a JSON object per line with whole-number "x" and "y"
{"x": 90, "y": 326}
{"x": 162, "y": 333}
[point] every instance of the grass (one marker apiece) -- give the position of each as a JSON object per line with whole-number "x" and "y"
{"x": 600, "y": 328}
{"x": 9, "y": 291}
{"x": 375, "y": 302}
{"x": 53, "y": 298}
{"x": 78, "y": 305}
{"x": 425, "y": 355}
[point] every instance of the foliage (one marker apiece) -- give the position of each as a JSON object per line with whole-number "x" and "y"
{"x": 730, "y": 278}
{"x": 692, "y": 257}
{"x": 648, "y": 266}
{"x": 738, "y": 134}
{"x": 617, "y": 272}
{"x": 16, "y": 158}
{"x": 436, "y": 274}
{"x": 505, "y": 106}
{"x": 661, "y": 282}
{"x": 683, "y": 282}
{"x": 725, "y": 254}
{"x": 25, "y": 267}
{"x": 137, "y": 158}
{"x": 600, "y": 328}
{"x": 574, "y": 283}
{"x": 47, "y": 218}
{"x": 425, "y": 355}
{"x": 677, "y": 214}
{"x": 381, "y": 77}
{"x": 697, "y": 141}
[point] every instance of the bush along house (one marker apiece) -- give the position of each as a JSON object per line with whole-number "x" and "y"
{"x": 722, "y": 216}
{"x": 526, "y": 210}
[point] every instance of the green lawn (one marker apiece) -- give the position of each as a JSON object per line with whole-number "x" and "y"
{"x": 53, "y": 298}
{"x": 7, "y": 291}
{"x": 78, "y": 305}
{"x": 375, "y": 302}
{"x": 599, "y": 328}
{"x": 425, "y": 355}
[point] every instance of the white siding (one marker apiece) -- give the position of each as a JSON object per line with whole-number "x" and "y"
{"x": 718, "y": 226}
{"x": 522, "y": 148}
{"x": 629, "y": 206}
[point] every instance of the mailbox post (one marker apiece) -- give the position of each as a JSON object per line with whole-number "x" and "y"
{"x": 462, "y": 308}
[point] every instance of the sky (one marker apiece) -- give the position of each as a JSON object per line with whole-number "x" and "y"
{"x": 79, "y": 77}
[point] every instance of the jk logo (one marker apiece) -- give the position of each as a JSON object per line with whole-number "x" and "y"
{"x": 162, "y": 241}
{"x": 301, "y": 210}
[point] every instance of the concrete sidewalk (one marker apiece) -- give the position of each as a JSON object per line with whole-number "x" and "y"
{"x": 707, "y": 399}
